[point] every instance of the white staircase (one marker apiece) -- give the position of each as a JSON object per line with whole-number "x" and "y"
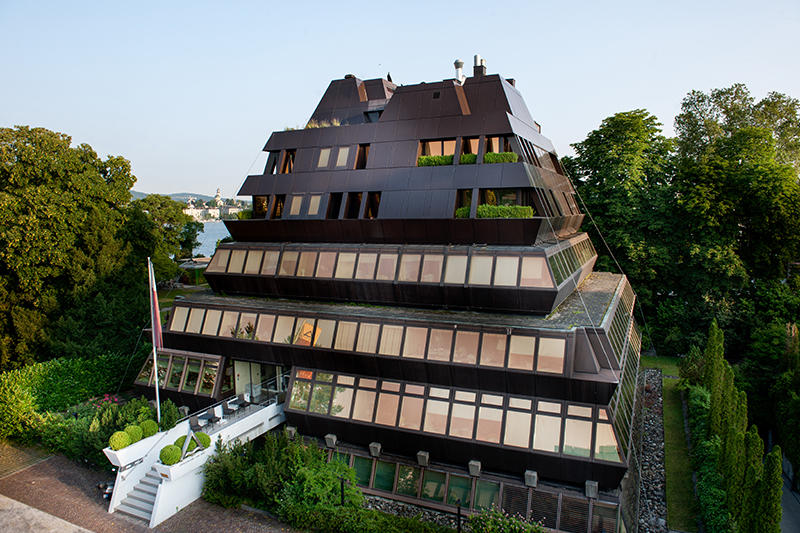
{"x": 140, "y": 501}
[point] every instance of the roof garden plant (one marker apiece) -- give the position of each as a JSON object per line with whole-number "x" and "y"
{"x": 502, "y": 157}
{"x": 497, "y": 211}
{"x": 134, "y": 432}
{"x": 468, "y": 159}
{"x": 149, "y": 428}
{"x": 170, "y": 454}
{"x": 434, "y": 160}
{"x": 119, "y": 440}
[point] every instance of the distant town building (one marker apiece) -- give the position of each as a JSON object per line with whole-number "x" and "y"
{"x": 216, "y": 209}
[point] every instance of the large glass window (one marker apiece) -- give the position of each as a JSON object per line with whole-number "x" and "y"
{"x": 253, "y": 264}
{"x": 320, "y": 399}
{"x": 300, "y": 393}
{"x": 433, "y": 485}
{"x": 551, "y": 355}
{"x": 284, "y": 327}
{"x": 386, "y": 414}
{"x": 534, "y": 273}
{"x": 326, "y": 264}
{"x": 456, "y": 270}
{"x": 288, "y": 264}
{"x": 192, "y": 375}
{"x": 462, "y": 420}
{"x": 407, "y": 480}
{"x": 195, "y": 320}
{"x": 363, "y": 468}
{"x": 384, "y": 475}
{"x": 411, "y": 412}
{"x": 228, "y": 327}
{"x": 305, "y": 267}
{"x": 466, "y": 350}
{"x": 414, "y": 346}
{"x": 345, "y": 335}
{"x": 211, "y": 324}
{"x": 436, "y": 417}
{"x": 264, "y": 327}
{"x": 237, "y": 261}
{"x": 605, "y": 446}
{"x": 366, "y": 266}
{"x": 345, "y": 265}
{"x": 209, "y": 377}
{"x": 493, "y": 350}
{"x": 295, "y": 205}
{"x": 490, "y": 421}
{"x": 432, "y": 268}
{"x": 324, "y": 155}
{"x": 577, "y": 437}
{"x": 547, "y": 433}
{"x": 304, "y": 334}
{"x": 520, "y": 352}
{"x": 364, "y": 405}
{"x": 409, "y": 267}
{"x": 459, "y": 490}
{"x": 480, "y": 270}
{"x": 146, "y": 374}
{"x": 324, "y": 334}
{"x": 162, "y": 364}
{"x": 313, "y": 204}
{"x": 487, "y": 494}
{"x": 391, "y": 338}
{"x": 270, "y": 264}
{"x": 386, "y": 267}
{"x": 219, "y": 262}
{"x": 440, "y": 345}
{"x": 341, "y": 158}
{"x": 179, "y": 318}
{"x": 518, "y": 429}
{"x": 342, "y": 400}
{"x": 176, "y": 372}
{"x": 505, "y": 271}
{"x": 367, "y": 338}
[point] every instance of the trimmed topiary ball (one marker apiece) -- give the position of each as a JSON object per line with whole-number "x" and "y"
{"x": 170, "y": 454}
{"x": 204, "y": 439}
{"x": 179, "y": 443}
{"x": 134, "y": 432}
{"x": 149, "y": 428}
{"x": 119, "y": 440}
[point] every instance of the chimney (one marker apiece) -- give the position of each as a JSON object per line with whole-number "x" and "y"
{"x": 459, "y": 72}
{"x": 479, "y": 69}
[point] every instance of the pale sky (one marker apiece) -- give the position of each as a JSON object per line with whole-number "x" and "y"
{"x": 190, "y": 91}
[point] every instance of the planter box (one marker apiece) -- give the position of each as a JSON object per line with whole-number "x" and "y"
{"x": 182, "y": 468}
{"x": 132, "y": 453}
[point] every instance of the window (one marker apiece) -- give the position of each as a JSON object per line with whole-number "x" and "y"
{"x": 211, "y": 324}
{"x": 547, "y": 433}
{"x": 334, "y": 205}
{"x": 459, "y": 490}
{"x": 345, "y": 335}
{"x": 363, "y": 468}
{"x": 163, "y": 363}
{"x": 490, "y": 421}
{"x": 288, "y": 162}
{"x": 324, "y": 335}
{"x": 520, "y": 352}
{"x": 463, "y": 203}
{"x": 367, "y": 338}
{"x": 341, "y": 158}
{"x": 407, "y": 480}
{"x": 534, "y": 273}
{"x": 411, "y": 412}
{"x": 386, "y": 413}
{"x": 361, "y": 156}
{"x": 391, "y": 338}
{"x": 277, "y": 207}
{"x": 364, "y": 405}
{"x": 480, "y": 270}
{"x": 551, "y": 355}
{"x": 260, "y": 206}
{"x": 253, "y": 263}
{"x": 386, "y": 267}
{"x": 300, "y": 392}
{"x": 283, "y": 330}
{"x": 342, "y": 399}
{"x": 237, "y": 261}
{"x": 345, "y": 265}
{"x": 294, "y": 207}
{"x": 497, "y": 144}
{"x": 433, "y": 485}
{"x": 313, "y": 204}
{"x": 176, "y": 372}
{"x": 440, "y": 345}
{"x": 195, "y": 320}
{"x": 456, "y": 270}
{"x": 384, "y": 475}
{"x": 326, "y": 264}
{"x": 246, "y": 328}
{"x": 462, "y": 420}
{"x": 577, "y": 437}
{"x": 209, "y": 377}
{"x": 304, "y": 334}
{"x": 320, "y": 399}
{"x": 179, "y": 318}
{"x": 305, "y": 267}
{"x": 605, "y": 446}
{"x": 409, "y": 267}
{"x": 270, "y": 264}
{"x": 505, "y": 272}
{"x": 288, "y": 264}
{"x": 487, "y": 494}
{"x": 353, "y": 206}
{"x": 469, "y": 145}
{"x": 466, "y": 350}
{"x": 493, "y": 350}
{"x": 373, "y": 202}
{"x": 518, "y": 429}
{"x": 436, "y": 417}
{"x": 414, "y": 346}
{"x": 366, "y": 266}
{"x": 324, "y": 156}
{"x": 432, "y": 268}
{"x": 272, "y": 162}
{"x": 372, "y": 116}
{"x": 219, "y": 262}
{"x": 192, "y": 375}
{"x": 438, "y": 147}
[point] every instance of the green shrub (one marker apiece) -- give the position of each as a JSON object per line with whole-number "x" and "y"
{"x": 170, "y": 454}
{"x": 496, "y": 521}
{"x": 462, "y": 212}
{"x": 134, "y": 432}
{"x": 244, "y": 214}
{"x": 340, "y": 519}
{"x": 228, "y": 474}
{"x": 504, "y": 211}
{"x": 149, "y": 428}
{"x": 180, "y": 441}
{"x": 204, "y": 439}
{"x": 434, "y": 160}
{"x": 502, "y": 157}
{"x": 119, "y": 440}
{"x": 169, "y": 415}
{"x": 468, "y": 159}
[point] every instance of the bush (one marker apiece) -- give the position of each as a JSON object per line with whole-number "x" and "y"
{"x": 170, "y": 454}
{"x": 434, "y": 160}
{"x": 462, "y": 212}
{"x": 204, "y": 439}
{"x": 134, "y": 432}
{"x": 149, "y": 428}
{"x": 502, "y": 157}
{"x": 468, "y": 159}
{"x": 505, "y": 211}
{"x": 169, "y": 415}
{"x": 180, "y": 441}
{"x": 496, "y": 521}
{"x": 244, "y": 214}
{"x": 119, "y": 440}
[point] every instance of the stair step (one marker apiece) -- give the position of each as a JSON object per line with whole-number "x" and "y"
{"x": 147, "y": 500}
{"x": 133, "y": 511}
{"x": 154, "y": 476}
{"x": 147, "y": 507}
{"x": 147, "y": 488}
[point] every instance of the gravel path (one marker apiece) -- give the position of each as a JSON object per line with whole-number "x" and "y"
{"x": 653, "y": 496}
{"x": 69, "y": 491}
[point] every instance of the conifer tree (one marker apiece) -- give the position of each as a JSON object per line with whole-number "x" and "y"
{"x": 771, "y": 492}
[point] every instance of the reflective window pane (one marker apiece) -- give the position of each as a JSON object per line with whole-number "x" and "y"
{"x": 341, "y": 158}
{"x": 432, "y": 268}
{"x": 391, "y": 338}
{"x": 409, "y": 267}
{"x": 284, "y": 329}
{"x": 519, "y": 403}
{"x": 162, "y": 364}
{"x": 219, "y": 262}
{"x": 487, "y": 494}
{"x": 176, "y": 372}
{"x": 299, "y": 398}
{"x": 305, "y": 267}
{"x": 366, "y": 266}
{"x": 605, "y": 446}
{"x": 253, "y": 264}
{"x": 456, "y": 270}
{"x": 387, "y": 265}
{"x": 345, "y": 265}
{"x": 459, "y": 490}
{"x": 192, "y": 375}
{"x": 270, "y": 264}
{"x": 433, "y": 485}
{"x": 535, "y": 273}
{"x": 345, "y": 336}
{"x": 465, "y": 396}
{"x": 228, "y": 326}
{"x": 518, "y": 429}
{"x": 324, "y": 155}
{"x": 414, "y": 345}
{"x": 304, "y": 334}
{"x": 551, "y": 355}
{"x": 209, "y": 377}
{"x": 578, "y": 437}
{"x": 579, "y": 410}
{"x": 411, "y": 412}
{"x": 493, "y": 350}
{"x": 367, "y": 338}
{"x": 364, "y": 405}
{"x": 466, "y": 350}
{"x": 384, "y": 475}
{"x": 436, "y": 417}
{"x": 505, "y": 271}
{"x": 146, "y": 374}
{"x": 547, "y": 433}
{"x": 407, "y": 480}
{"x": 386, "y": 414}
{"x": 462, "y": 420}
{"x": 237, "y": 261}
{"x": 480, "y": 270}
{"x": 491, "y": 399}
{"x": 313, "y": 204}
{"x": 179, "y": 318}
{"x": 549, "y": 407}
{"x": 320, "y": 399}
{"x": 195, "y": 320}
{"x": 363, "y": 468}
{"x": 440, "y": 345}
{"x": 264, "y": 327}
{"x": 211, "y": 323}
{"x": 342, "y": 399}
{"x": 288, "y": 264}
{"x": 489, "y": 422}
{"x": 324, "y": 333}
{"x": 520, "y": 352}
{"x": 326, "y": 264}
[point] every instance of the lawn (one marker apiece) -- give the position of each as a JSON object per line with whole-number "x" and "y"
{"x": 166, "y": 297}
{"x": 668, "y": 365}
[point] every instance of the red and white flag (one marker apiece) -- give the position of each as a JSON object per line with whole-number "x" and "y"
{"x": 155, "y": 315}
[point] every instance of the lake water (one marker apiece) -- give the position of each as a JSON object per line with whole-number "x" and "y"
{"x": 213, "y": 231}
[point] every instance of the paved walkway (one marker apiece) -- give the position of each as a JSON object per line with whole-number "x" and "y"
{"x": 21, "y": 518}
{"x": 15, "y": 457}
{"x": 790, "y": 504}
{"x": 68, "y": 491}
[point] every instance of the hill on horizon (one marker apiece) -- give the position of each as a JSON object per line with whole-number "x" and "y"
{"x": 177, "y": 196}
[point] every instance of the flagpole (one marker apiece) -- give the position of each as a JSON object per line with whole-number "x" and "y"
{"x": 153, "y": 310}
